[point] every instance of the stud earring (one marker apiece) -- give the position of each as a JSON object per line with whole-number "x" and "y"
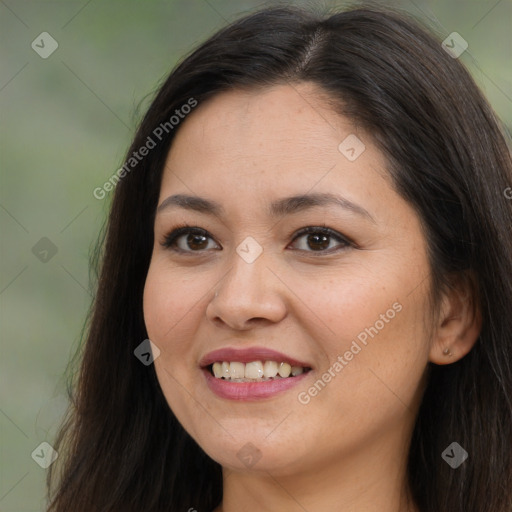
{"x": 447, "y": 352}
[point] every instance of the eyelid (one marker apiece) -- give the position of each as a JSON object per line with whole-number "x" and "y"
{"x": 181, "y": 230}
{"x": 178, "y": 231}
{"x": 327, "y": 231}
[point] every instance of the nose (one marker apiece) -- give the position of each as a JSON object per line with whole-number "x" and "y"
{"x": 249, "y": 294}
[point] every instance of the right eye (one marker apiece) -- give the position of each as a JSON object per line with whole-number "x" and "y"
{"x": 196, "y": 239}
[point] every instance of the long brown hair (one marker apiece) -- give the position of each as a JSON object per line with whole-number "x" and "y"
{"x": 122, "y": 448}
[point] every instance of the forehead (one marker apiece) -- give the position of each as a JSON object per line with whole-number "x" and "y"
{"x": 279, "y": 133}
{"x": 285, "y": 117}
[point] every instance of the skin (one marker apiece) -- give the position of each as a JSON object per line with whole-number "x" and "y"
{"x": 346, "y": 449}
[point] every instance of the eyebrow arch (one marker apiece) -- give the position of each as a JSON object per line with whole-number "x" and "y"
{"x": 279, "y": 208}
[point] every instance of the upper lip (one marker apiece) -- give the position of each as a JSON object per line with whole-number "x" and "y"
{"x": 247, "y": 355}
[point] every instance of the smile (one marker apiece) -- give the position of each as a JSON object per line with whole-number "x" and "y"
{"x": 251, "y": 374}
{"x": 255, "y": 371}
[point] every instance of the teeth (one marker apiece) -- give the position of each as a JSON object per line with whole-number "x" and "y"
{"x": 225, "y": 370}
{"x": 297, "y": 370}
{"x": 237, "y": 370}
{"x": 255, "y": 370}
{"x": 217, "y": 370}
{"x": 270, "y": 369}
{"x": 284, "y": 370}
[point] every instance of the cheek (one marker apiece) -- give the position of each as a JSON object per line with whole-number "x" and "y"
{"x": 360, "y": 306}
{"x": 169, "y": 313}
{"x": 377, "y": 328}
{"x": 157, "y": 306}
{"x": 170, "y": 301}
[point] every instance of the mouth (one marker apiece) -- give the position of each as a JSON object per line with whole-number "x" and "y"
{"x": 255, "y": 371}
{"x": 251, "y": 374}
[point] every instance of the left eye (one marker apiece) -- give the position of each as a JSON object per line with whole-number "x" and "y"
{"x": 315, "y": 239}
{"x": 319, "y": 239}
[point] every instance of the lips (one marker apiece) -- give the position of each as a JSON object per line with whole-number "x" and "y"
{"x": 243, "y": 389}
{"x": 248, "y": 355}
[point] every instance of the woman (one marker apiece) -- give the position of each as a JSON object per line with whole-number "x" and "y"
{"x": 312, "y": 228}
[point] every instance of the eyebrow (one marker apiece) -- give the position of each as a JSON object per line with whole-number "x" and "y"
{"x": 278, "y": 208}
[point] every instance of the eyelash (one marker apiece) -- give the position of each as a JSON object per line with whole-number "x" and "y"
{"x": 173, "y": 236}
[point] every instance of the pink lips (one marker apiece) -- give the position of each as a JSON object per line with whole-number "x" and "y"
{"x": 248, "y": 391}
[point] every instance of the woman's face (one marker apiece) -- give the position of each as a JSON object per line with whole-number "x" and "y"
{"x": 347, "y": 309}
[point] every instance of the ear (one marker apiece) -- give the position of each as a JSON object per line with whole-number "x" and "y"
{"x": 458, "y": 323}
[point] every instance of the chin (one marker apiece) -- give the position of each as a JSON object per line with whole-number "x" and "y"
{"x": 244, "y": 452}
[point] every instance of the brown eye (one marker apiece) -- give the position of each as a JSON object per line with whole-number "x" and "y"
{"x": 196, "y": 242}
{"x": 320, "y": 239}
{"x": 188, "y": 239}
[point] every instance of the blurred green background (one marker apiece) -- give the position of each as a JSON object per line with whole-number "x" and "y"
{"x": 67, "y": 121}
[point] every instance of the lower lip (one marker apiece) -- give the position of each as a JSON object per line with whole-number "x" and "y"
{"x": 245, "y": 391}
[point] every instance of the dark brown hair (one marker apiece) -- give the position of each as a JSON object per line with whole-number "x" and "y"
{"x": 122, "y": 448}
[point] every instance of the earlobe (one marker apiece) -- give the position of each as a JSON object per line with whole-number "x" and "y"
{"x": 447, "y": 352}
{"x": 458, "y": 324}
